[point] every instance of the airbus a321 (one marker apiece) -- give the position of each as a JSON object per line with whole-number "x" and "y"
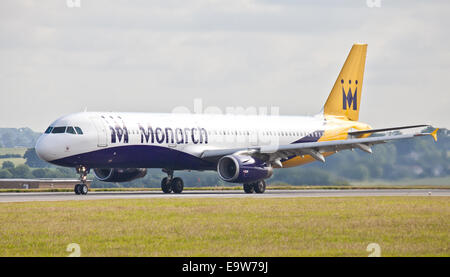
{"x": 120, "y": 147}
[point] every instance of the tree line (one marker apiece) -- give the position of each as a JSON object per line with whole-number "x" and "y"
{"x": 413, "y": 158}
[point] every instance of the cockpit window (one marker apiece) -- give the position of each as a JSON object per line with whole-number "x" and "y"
{"x": 59, "y": 130}
{"x": 49, "y": 130}
{"x": 79, "y": 131}
{"x": 70, "y": 130}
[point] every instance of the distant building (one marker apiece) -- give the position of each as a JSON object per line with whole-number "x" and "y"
{"x": 40, "y": 183}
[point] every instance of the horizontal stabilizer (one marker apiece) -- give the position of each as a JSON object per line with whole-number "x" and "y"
{"x": 434, "y": 134}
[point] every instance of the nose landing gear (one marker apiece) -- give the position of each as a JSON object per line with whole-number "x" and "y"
{"x": 82, "y": 188}
{"x": 170, "y": 184}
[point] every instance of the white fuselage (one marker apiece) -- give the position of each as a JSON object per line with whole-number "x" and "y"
{"x": 149, "y": 140}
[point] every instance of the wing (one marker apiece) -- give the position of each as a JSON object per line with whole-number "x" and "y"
{"x": 357, "y": 133}
{"x": 274, "y": 154}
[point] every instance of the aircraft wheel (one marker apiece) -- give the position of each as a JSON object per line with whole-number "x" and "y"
{"x": 83, "y": 189}
{"x": 165, "y": 185}
{"x": 248, "y": 188}
{"x": 260, "y": 186}
{"x": 77, "y": 189}
{"x": 177, "y": 185}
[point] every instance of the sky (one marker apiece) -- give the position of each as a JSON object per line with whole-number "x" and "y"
{"x": 58, "y": 57}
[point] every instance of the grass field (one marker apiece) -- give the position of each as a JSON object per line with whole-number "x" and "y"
{"x": 15, "y": 161}
{"x": 432, "y": 181}
{"x": 239, "y": 187}
{"x": 16, "y": 151}
{"x": 402, "y": 226}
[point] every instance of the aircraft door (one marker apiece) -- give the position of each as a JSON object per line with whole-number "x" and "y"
{"x": 101, "y": 131}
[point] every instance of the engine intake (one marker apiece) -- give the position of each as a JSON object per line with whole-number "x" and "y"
{"x": 242, "y": 169}
{"x": 119, "y": 174}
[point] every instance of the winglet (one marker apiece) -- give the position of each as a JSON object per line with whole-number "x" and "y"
{"x": 434, "y": 134}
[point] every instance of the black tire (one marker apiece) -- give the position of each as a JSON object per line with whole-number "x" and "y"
{"x": 177, "y": 185}
{"x": 84, "y": 189}
{"x": 77, "y": 189}
{"x": 249, "y": 188}
{"x": 260, "y": 186}
{"x": 165, "y": 185}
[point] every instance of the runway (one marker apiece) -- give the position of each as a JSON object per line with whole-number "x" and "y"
{"x": 66, "y": 196}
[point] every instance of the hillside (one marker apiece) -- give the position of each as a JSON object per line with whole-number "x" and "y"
{"x": 419, "y": 159}
{"x": 18, "y": 137}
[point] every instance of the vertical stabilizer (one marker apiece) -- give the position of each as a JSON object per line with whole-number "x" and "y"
{"x": 345, "y": 97}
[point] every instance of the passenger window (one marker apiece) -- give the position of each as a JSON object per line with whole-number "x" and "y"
{"x": 70, "y": 130}
{"x": 59, "y": 130}
{"x": 49, "y": 130}
{"x": 79, "y": 131}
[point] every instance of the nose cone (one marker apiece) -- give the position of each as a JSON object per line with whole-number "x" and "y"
{"x": 45, "y": 149}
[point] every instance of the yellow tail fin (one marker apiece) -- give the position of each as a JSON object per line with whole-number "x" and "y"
{"x": 345, "y": 97}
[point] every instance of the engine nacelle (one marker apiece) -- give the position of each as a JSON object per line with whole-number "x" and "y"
{"x": 119, "y": 174}
{"x": 242, "y": 169}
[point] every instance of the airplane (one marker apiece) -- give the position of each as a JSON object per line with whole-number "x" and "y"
{"x": 120, "y": 147}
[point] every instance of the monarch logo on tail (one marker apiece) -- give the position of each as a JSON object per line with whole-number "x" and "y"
{"x": 345, "y": 96}
{"x": 349, "y": 99}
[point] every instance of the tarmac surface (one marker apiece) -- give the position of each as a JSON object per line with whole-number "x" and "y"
{"x": 65, "y": 196}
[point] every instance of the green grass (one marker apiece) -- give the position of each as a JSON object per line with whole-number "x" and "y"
{"x": 402, "y": 226}
{"x": 17, "y": 151}
{"x": 433, "y": 181}
{"x": 239, "y": 187}
{"x": 15, "y": 161}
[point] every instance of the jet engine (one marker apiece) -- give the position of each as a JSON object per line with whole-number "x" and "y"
{"x": 242, "y": 169}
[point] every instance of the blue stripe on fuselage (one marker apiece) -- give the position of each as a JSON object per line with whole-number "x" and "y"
{"x": 309, "y": 138}
{"x": 136, "y": 156}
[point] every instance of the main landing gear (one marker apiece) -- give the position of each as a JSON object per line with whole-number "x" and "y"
{"x": 82, "y": 188}
{"x": 170, "y": 184}
{"x": 258, "y": 187}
